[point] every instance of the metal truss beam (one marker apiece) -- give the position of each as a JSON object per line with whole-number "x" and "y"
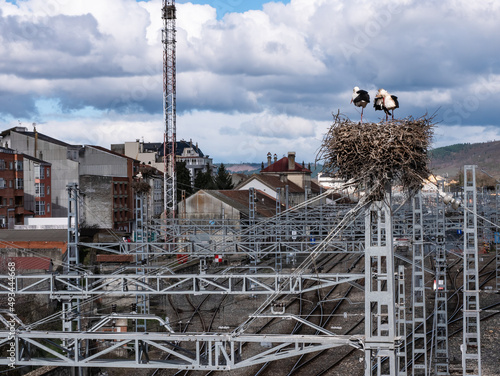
{"x": 220, "y": 352}
{"x": 228, "y": 248}
{"x": 64, "y": 286}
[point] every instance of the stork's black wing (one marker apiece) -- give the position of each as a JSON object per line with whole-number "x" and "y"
{"x": 395, "y": 99}
{"x": 362, "y": 96}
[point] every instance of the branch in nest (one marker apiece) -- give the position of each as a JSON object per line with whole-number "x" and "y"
{"x": 375, "y": 155}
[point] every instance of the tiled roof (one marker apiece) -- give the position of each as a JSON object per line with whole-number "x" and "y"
{"x": 32, "y": 263}
{"x": 40, "y": 136}
{"x": 315, "y": 188}
{"x": 179, "y": 148}
{"x": 265, "y": 205}
{"x": 282, "y": 166}
{"x": 274, "y": 182}
{"x": 26, "y": 156}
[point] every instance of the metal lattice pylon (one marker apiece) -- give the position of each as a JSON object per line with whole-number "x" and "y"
{"x": 401, "y": 352}
{"x": 141, "y": 259}
{"x": 471, "y": 346}
{"x": 252, "y": 198}
{"x": 497, "y": 235}
{"x": 441, "y": 355}
{"x": 169, "y": 106}
{"x": 71, "y": 307}
{"x": 380, "y": 320}
{"x": 278, "y": 263}
{"x": 71, "y": 319}
{"x": 419, "y": 330}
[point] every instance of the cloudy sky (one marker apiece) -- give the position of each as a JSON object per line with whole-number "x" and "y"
{"x": 253, "y": 76}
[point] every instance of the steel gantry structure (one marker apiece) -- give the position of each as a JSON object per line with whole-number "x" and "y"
{"x": 294, "y": 239}
{"x": 353, "y": 229}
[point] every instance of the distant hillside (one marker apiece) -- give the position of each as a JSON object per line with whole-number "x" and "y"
{"x": 445, "y": 161}
{"x": 254, "y": 168}
{"x": 243, "y": 168}
{"x": 451, "y": 159}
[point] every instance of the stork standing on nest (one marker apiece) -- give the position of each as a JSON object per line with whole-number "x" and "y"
{"x": 360, "y": 98}
{"x": 385, "y": 102}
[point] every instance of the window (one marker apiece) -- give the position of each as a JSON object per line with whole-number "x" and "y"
{"x": 10, "y": 184}
{"x": 48, "y": 190}
{"x": 40, "y": 207}
{"x": 2, "y": 164}
{"x": 48, "y": 208}
{"x": 48, "y": 172}
{"x": 19, "y": 183}
{"x": 19, "y": 165}
{"x": 39, "y": 172}
{"x": 11, "y": 202}
{"x": 39, "y": 190}
{"x": 2, "y": 183}
{"x": 11, "y": 165}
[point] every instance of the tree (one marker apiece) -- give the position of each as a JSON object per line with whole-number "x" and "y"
{"x": 183, "y": 180}
{"x": 204, "y": 180}
{"x": 223, "y": 179}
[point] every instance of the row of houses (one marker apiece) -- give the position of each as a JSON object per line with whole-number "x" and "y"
{"x": 35, "y": 170}
{"x": 283, "y": 182}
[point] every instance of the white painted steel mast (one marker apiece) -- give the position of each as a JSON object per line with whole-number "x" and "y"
{"x": 169, "y": 93}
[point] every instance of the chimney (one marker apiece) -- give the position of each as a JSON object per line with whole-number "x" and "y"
{"x": 275, "y": 158}
{"x": 268, "y": 159}
{"x": 291, "y": 160}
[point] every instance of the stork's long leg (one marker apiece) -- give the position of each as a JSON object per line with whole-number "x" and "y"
{"x": 362, "y": 108}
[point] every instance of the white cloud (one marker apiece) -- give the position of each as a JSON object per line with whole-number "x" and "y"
{"x": 249, "y": 78}
{"x": 457, "y": 134}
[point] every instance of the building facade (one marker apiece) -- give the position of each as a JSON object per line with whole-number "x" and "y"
{"x": 106, "y": 190}
{"x": 293, "y": 180}
{"x": 63, "y": 158}
{"x": 151, "y": 154}
{"x": 37, "y": 187}
{"x": 11, "y": 188}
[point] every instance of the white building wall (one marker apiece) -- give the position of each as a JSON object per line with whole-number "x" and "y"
{"x": 204, "y": 206}
{"x": 98, "y": 162}
{"x": 260, "y": 186}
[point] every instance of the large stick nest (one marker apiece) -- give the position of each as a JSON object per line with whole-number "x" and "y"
{"x": 372, "y": 156}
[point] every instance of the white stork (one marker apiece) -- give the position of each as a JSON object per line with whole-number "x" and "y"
{"x": 360, "y": 98}
{"x": 386, "y": 102}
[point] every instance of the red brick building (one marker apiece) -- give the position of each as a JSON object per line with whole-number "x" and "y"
{"x": 11, "y": 188}
{"x": 37, "y": 187}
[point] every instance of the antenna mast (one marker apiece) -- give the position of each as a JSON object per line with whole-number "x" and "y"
{"x": 169, "y": 91}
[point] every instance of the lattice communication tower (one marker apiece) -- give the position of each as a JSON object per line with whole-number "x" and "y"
{"x": 169, "y": 92}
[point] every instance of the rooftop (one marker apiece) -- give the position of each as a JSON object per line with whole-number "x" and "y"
{"x": 282, "y": 166}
